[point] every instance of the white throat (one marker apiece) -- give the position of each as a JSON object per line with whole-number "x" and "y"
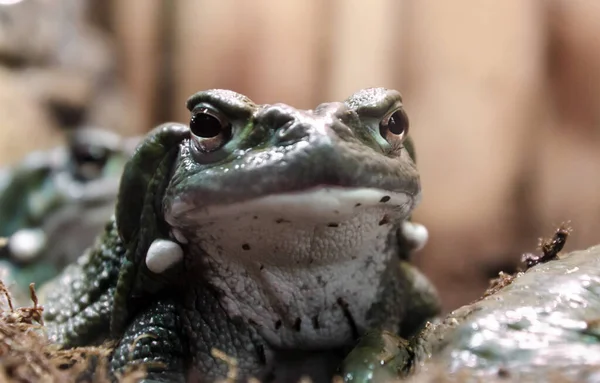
{"x": 284, "y": 261}
{"x": 319, "y": 226}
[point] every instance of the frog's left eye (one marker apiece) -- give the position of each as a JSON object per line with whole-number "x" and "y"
{"x": 210, "y": 130}
{"x": 394, "y": 126}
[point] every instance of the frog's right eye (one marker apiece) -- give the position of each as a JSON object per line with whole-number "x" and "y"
{"x": 210, "y": 130}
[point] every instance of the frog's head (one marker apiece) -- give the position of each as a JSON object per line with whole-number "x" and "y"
{"x": 268, "y": 184}
{"x": 249, "y": 172}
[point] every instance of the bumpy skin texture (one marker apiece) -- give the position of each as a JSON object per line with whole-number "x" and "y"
{"x": 542, "y": 327}
{"x": 290, "y": 223}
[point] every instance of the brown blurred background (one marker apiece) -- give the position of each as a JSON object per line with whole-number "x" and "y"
{"x": 503, "y": 96}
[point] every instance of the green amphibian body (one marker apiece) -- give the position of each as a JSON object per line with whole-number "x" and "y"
{"x": 278, "y": 236}
{"x": 53, "y": 203}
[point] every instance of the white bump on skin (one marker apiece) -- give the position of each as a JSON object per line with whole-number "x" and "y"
{"x": 416, "y": 234}
{"x": 27, "y": 244}
{"x": 163, "y": 254}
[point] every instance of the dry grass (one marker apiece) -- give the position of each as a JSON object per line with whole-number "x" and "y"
{"x": 26, "y": 355}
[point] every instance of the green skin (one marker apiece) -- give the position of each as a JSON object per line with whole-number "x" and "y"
{"x": 68, "y": 193}
{"x": 287, "y": 286}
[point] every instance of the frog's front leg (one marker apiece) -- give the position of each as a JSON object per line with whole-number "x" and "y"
{"x": 380, "y": 353}
{"x": 379, "y": 356}
{"x": 209, "y": 328}
{"x": 177, "y": 340}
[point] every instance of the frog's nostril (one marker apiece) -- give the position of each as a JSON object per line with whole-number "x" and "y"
{"x": 292, "y": 131}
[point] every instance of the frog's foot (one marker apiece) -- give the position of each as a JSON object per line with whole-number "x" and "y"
{"x": 153, "y": 340}
{"x": 379, "y": 356}
{"x": 177, "y": 344}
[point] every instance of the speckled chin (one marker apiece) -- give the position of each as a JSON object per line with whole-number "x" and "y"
{"x": 283, "y": 261}
{"x": 319, "y": 226}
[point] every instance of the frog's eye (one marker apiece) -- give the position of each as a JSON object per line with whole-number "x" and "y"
{"x": 89, "y": 160}
{"x": 210, "y": 130}
{"x": 394, "y": 126}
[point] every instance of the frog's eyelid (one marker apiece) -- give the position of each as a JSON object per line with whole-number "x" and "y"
{"x": 205, "y": 107}
{"x": 375, "y": 111}
{"x": 386, "y": 117}
{"x": 231, "y": 111}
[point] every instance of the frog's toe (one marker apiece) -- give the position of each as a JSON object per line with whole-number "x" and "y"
{"x": 380, "y": 356}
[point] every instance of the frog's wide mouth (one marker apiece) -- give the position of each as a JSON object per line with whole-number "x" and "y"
{"x": 324, "y": 177}
{"x": 323, "y": 203}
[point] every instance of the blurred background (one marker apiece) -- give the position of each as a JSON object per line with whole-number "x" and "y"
{"x": 503, "y": 96}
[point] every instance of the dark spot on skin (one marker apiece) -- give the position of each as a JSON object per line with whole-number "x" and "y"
{"x": 353, "y": 257}
{"x": 310, "y": 260}
{"x": 262, "y": 357}
{"x": 297, "y": 324}
{"x": 321, "y": 281}
{"x": 281, "y": 220}
{"x": 237, "y": 320}
{"x": 336, "y": 211}
{"x": 255, "y": 217}
{"x": 315, "y": 322}
{"x": 384, "y": 220}
{"x": 346, "y": 311}
{"x": 333, "y": 224}
{"x": 245, "y": 246}
{"x": 270, "y": 377}
{"x": 503, "y": 373}
{"x": 278, "y": 324}
{"x": 385, "y": 198}
{"x": 261, "y": 267}
{"x": 357, "y": 205}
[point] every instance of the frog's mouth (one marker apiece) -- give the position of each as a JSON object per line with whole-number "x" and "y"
{"x": 321, "y": 204}
{"x": 319, "y": 225}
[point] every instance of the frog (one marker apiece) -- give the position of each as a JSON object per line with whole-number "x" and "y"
{"x": 54, "y": 202}
{"x": 278, "y": 237}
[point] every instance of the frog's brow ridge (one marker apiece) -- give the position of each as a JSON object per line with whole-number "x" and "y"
{"x": 373, "y": 102}
{"x": 228, "y": 101}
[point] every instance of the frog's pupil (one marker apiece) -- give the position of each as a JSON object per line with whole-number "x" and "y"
{"x": 397, "y": 124}
{"x": 205, "y": 126}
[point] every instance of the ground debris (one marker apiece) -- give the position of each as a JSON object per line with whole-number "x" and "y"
{"x": 496, "y": 284}
{"x": 549, "y": 247}
{"x": 26, "y": 355}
